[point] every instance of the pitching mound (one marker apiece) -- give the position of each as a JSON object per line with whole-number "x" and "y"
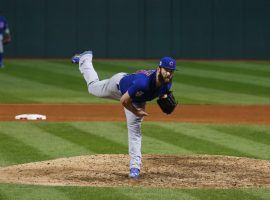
{"x": 164, "y": 171}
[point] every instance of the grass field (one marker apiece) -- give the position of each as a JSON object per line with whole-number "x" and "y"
{"x": 57, "y": 81}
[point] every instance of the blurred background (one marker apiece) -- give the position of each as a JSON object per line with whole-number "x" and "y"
{"x": 188, "y": 29}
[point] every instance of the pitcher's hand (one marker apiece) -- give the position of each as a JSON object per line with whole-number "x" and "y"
{"x": 141, "y": 113}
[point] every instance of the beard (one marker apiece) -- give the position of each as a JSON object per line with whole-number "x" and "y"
{"x": 163, "y": 80}
{"x": 160, "y": 78}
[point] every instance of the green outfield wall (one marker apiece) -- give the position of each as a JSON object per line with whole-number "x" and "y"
{"x": 226, "y": 29}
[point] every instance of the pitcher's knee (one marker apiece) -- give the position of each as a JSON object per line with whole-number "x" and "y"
{"x": 95, "y": 90}
{"x": 92, "y": 89}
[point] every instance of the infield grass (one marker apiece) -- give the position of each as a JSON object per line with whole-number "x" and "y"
{"x": 49, "y": 140}
{"x": 22, "y": 192}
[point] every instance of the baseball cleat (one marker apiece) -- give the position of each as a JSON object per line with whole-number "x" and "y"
{"x": 134, "y": 173}
{"x": 76, "y": 58}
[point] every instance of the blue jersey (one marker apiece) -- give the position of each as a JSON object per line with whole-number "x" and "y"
{"x": 3, "y": 25}
{"x": 141, "y": 86}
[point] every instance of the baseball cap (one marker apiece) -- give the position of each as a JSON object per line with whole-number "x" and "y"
{"x": 168, "y": 63}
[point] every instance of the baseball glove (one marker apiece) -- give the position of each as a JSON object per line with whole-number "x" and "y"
{"x": 167, "y": 103}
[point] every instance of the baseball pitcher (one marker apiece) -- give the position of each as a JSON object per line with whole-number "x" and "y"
{"x": 133, "y": 91}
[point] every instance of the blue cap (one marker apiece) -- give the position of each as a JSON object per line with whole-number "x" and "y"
{"x": 168, "y": 63}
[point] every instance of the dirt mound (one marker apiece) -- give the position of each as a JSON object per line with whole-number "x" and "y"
{"x": 163, "y": 171}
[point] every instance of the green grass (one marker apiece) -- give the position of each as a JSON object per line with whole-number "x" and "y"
{"x": 48, "y": 140}
{"x": 29, "y": 142}
{"x": 22, "y": 192}
{"x": 201, "y": 82}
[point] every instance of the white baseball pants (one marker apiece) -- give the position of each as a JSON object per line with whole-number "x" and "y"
{"x": 109, "y": 88}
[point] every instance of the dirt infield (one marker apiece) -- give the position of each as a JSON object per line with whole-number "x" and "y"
{"x": 162, "y": 171}
{"x": 114, "y": 112}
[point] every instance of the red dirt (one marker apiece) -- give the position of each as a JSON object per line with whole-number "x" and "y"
{"x": 114, "y": 112}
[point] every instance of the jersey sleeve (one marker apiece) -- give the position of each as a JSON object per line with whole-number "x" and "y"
{"x": 6, "y": 28}
{"x": 138, "y": 85}
{"x": 7, "y": 31}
